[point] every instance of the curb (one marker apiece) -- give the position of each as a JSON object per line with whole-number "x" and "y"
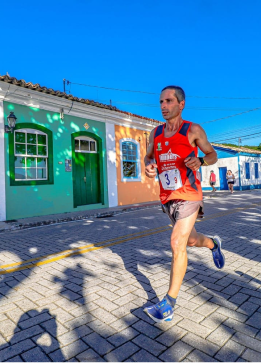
{"x": 18, "y": 226}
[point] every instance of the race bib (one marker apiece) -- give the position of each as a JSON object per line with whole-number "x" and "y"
{"x": 170, "y": 179}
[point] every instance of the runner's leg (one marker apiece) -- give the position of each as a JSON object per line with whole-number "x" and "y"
{"x": 179, "y": 239}
{"x": 199, "y": 240}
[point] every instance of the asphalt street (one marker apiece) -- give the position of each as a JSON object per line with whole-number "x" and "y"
{"x": 76, "y": 291}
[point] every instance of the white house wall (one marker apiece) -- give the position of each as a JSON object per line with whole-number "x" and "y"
{"x": 229, "y": 163}
{"x": 111, "y": 165}
{"x": 251, "y": 160}
{"x": 2, "y": 164}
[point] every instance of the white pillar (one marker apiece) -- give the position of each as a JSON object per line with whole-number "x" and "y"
{"x": 111, "y": 165}
{"x": 2, "y": 164}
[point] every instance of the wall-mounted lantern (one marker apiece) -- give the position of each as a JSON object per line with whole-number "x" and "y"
{"x": 11, "y": 119}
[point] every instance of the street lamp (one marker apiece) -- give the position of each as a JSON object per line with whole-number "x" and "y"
{"x": 11, "y": 122}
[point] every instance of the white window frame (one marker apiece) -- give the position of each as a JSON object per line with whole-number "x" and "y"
{"x": 37, "y": 132}
{"x": 85, "y": 138}
{"x": 131, "y": 179}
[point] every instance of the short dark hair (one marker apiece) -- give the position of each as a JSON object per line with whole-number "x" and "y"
{"x": 179, "y": 92}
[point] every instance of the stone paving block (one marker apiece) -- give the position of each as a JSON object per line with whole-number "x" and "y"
{"x": 248, "y": 308}
{"x": 124, "y": 323}
{"x": 89, "y": 355}
{"x": 106, "y": 304}
{"x": 96, "y": 342}
{"x": 223, "y": 302}
{"x": 231, "y": 289}
{"x": 147, "y": 329}
{"x": 7, "y": 307}
{"x": 109, "y": 294}
{"x": 125, "y": 299}
{"x": 73, "y": 349}
{"x": 123, "y": 336}
{"x": 251, "y": 293}
{"x": 143, "y": 356}
{"x": 201, "y": 298}
{"x": 232, "y": 314}
{"x": 242, "y": 328}
{"x": 122, "y": 353}
{"x": 255, "y": 320}
{"x": 16, "y": 349}
{"x": 176, "y": 353}
{"x": 26, "y": 304}
{"x": 74, "y": 323}
{"x": 198, "y": 356}
{"x": 7, "y": 328}
{"x": 230, "y": 352}
{"x": 49, "y": 327}
{"x": 124, "y": 310}
{"x": 171, "y": 336}
{"x": 101, "y": 328}
{"x": 62, "y": 315}
{"x": 148, "y": 344}
{"x": 67, "y": 338}
{"x": 104, "y": 315}
{"x": 40, "y": 318}
{"x": 251, "y": 355}
{"x": 27, "y": 333}
{"x": 185, "y": 313}
{"x": 213, "y": 320}
{"x": 238, "y": 298}
{"x": 247, "y": 341}
{"x": 221, "y": 335}
{"x": 201, "y": 344}
{"x": 35, "y": 355}
{"x": 191, "y": 326}
{"x": 15, "y": 359}
{"x": 207, "y": 309}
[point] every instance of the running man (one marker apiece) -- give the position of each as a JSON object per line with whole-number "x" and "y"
{"x": 174, "y": 148}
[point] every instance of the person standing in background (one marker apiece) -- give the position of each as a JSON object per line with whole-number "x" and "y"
{"x": 230, "y": 180}
{"x": 212, "y": 180}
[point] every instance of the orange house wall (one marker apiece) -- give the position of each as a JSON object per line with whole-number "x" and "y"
{"x": 146, "y": 190}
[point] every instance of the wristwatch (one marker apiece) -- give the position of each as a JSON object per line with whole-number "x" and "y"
{"x": 202, "y": 161}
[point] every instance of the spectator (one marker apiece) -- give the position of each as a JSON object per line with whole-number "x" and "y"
{"x": 230, "y": 180}
{"x": 212, "y": 180}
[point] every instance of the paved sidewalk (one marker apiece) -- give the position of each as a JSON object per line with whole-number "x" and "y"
{"x": 23, "y": 223}
{"x": 76, "y": 291}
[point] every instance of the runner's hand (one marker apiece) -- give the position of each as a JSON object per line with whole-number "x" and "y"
{"x": 192, "y": 163}
{"x": 150, "y": 170}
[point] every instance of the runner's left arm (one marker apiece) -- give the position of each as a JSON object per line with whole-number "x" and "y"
{"x": 150, "y": 165}
{"x": 200, "y": 139}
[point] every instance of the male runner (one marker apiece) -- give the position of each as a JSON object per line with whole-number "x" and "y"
{"x": 174, "y": 148}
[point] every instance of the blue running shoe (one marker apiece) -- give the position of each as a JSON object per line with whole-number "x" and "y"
{"x": 162, "y": 311}
{"x": 218, "y": 256}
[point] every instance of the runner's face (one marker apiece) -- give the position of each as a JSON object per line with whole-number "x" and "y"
{"x": 170, "y": 107}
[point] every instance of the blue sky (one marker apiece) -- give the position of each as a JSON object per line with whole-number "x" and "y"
{"x": 210, "y": 48}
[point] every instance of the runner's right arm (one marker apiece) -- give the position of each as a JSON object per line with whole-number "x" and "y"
{"x": 150, "y": 165}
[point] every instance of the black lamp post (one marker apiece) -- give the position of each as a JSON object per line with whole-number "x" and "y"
{"x": 11, "y": 122}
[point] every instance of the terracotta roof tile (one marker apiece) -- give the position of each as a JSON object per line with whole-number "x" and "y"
{"x": 238, "y": 149}
{"x": 38, "y": 88}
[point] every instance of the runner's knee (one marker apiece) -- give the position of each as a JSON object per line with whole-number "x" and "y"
{"x": 178, "y": 244}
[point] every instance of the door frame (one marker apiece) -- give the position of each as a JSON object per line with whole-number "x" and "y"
{"x": 225, "y": 181}
{"x": 99, "y": 152}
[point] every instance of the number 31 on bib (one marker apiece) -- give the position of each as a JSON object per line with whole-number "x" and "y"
{"x": 171, "y": 179}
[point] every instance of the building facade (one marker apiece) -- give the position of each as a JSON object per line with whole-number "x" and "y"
{"x": 67, "y": 154}
{"x": 244, "y": 163}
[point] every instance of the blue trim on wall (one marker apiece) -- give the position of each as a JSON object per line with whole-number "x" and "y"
{"x": 244, "y": 187}
{"x": 225, "y": 149}
{"x": 239, "y": 172}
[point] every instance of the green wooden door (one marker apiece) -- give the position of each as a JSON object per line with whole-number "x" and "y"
{"x": 87, "y": 179}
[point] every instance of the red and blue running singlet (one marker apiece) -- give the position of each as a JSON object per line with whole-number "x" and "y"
{"x": 176, "y": 180}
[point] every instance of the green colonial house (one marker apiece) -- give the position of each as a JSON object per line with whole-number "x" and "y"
{"x": 58, "y": 144}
